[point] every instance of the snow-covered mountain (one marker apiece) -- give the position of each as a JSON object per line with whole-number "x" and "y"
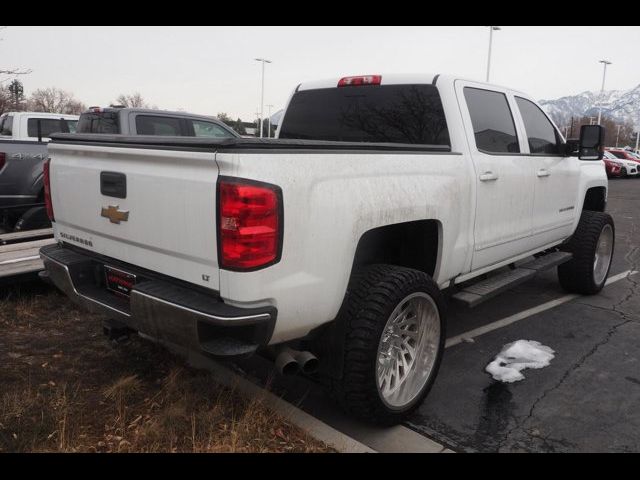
{"x": 620, "y": 105}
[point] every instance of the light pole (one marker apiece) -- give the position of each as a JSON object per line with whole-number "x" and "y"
{"x": 269, "y": 121}
{"x": 263, "y": 61}
{"x": 618, "y": 135}
{"x": 604, "y": 75}
{"x": 491, "y": 30}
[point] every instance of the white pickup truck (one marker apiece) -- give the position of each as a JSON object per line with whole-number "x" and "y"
{"x": 335, "y": 245}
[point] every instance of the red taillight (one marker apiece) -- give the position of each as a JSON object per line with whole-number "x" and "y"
{"x": 249, "y": 224}
{"x": 360, "y": 80}
{"x": 3, "y": 159}
{"x": 47, "y": 189}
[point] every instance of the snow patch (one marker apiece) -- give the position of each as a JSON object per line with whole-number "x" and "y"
{"x": 515, "y": 357}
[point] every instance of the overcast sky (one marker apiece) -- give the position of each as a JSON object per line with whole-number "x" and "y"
{"x": 211, "y": 69}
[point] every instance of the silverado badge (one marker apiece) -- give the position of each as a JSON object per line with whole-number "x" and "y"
{"x": 114, "y": 214}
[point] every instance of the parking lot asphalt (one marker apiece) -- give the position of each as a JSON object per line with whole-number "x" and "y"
{"x": 588, "y": 399}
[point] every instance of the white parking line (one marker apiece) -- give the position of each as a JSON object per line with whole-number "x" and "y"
{"x": 476, "y": 332}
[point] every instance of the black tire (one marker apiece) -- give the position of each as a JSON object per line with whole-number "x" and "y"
{"x": 372, "y": 296}
{"x": 623, "y": 172}
{"x": 577, "y": 275}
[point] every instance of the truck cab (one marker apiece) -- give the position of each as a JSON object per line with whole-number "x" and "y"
{"x": 140, "y": 121}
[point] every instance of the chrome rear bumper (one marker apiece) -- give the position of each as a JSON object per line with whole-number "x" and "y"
{"x": 160, "y": 308}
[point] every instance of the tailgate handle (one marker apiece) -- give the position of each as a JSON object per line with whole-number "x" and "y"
{"x": 113, "y": 184}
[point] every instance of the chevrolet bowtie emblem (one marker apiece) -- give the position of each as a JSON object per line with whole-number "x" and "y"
{"x": 114, "y": 214}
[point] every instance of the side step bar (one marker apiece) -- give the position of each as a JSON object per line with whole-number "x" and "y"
{"x": 477, "y": 293}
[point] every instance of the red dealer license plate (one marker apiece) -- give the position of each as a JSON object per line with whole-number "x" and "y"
{"x": 119, "y": 282}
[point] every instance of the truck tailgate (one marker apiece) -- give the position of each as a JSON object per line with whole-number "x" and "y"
{"x": 170, "y": 199}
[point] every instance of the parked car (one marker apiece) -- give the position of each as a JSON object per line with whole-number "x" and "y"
{"x": 139, "y": 121}
{"x": 613, "y": 167}
{"x": 630, "y": 163}
{"x": 331, "y": 246}
{"x": 23, "y": 151}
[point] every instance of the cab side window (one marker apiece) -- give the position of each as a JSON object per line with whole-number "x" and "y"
{"x": 541, "y": 134}
{"x": 47, "y": 126}
{"x": 209, "y": 130}
{"x": 493, "y": 125}
{"x": 158, "y": 125}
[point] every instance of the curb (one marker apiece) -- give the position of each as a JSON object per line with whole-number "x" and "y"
{"x": 314, "y": 427}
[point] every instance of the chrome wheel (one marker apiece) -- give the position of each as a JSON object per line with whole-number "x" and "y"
{"x": 407, "y": 350}
{"x": 602, "y": 258}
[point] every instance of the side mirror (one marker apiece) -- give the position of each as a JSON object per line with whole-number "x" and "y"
{"x": 591, "y": 142}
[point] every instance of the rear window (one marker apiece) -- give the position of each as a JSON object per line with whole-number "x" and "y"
{"x": 6, "y": 125}
{"x": 386, "y": 114}
{"x": 99, "y": 122}
{"x": 157, "y": 125}
{"x": 49, "y": 126}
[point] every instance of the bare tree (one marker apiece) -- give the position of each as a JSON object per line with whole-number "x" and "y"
{"x": 223, "y": 117}
{"x": 54, "y": 100}
{"x": 133, "y": 100}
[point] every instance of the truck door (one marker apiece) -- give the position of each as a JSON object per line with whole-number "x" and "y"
{"x": 556, "y": 177}
{"x": 504, "y": 175}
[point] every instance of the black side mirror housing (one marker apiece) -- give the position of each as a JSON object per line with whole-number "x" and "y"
{"x": 591, "y": 142}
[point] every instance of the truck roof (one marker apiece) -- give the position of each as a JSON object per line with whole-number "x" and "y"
{"x": 399, "y": 79}
{"x": 150, "y": 111}
{"x": 42, "y": 115}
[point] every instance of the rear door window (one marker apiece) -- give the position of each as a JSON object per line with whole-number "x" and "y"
{"x": 541, "y": 134}
{"x": 210, "y": 130}
{"x": 158, "y": 125}
{"x": 49, "y": 126}
{"x": 410, "y": 114}
{"x": 493, "y": 125}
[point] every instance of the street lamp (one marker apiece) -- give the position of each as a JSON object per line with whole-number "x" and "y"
{"x": 263, "y": 60}
{"x": 618, "y": 135}
{"x": 491, "y": 30}
{"x": 269, "y": 121}
{"x": 604, "y": 75}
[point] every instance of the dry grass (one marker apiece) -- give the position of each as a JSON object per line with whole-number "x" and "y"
{"x": 66, "y": 388}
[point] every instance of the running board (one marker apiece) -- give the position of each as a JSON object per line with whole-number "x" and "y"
{"x": 477, "y": 293}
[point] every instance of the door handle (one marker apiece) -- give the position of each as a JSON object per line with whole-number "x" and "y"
{"x": 488, "y": 177}
{"x": 543, "y": 172}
